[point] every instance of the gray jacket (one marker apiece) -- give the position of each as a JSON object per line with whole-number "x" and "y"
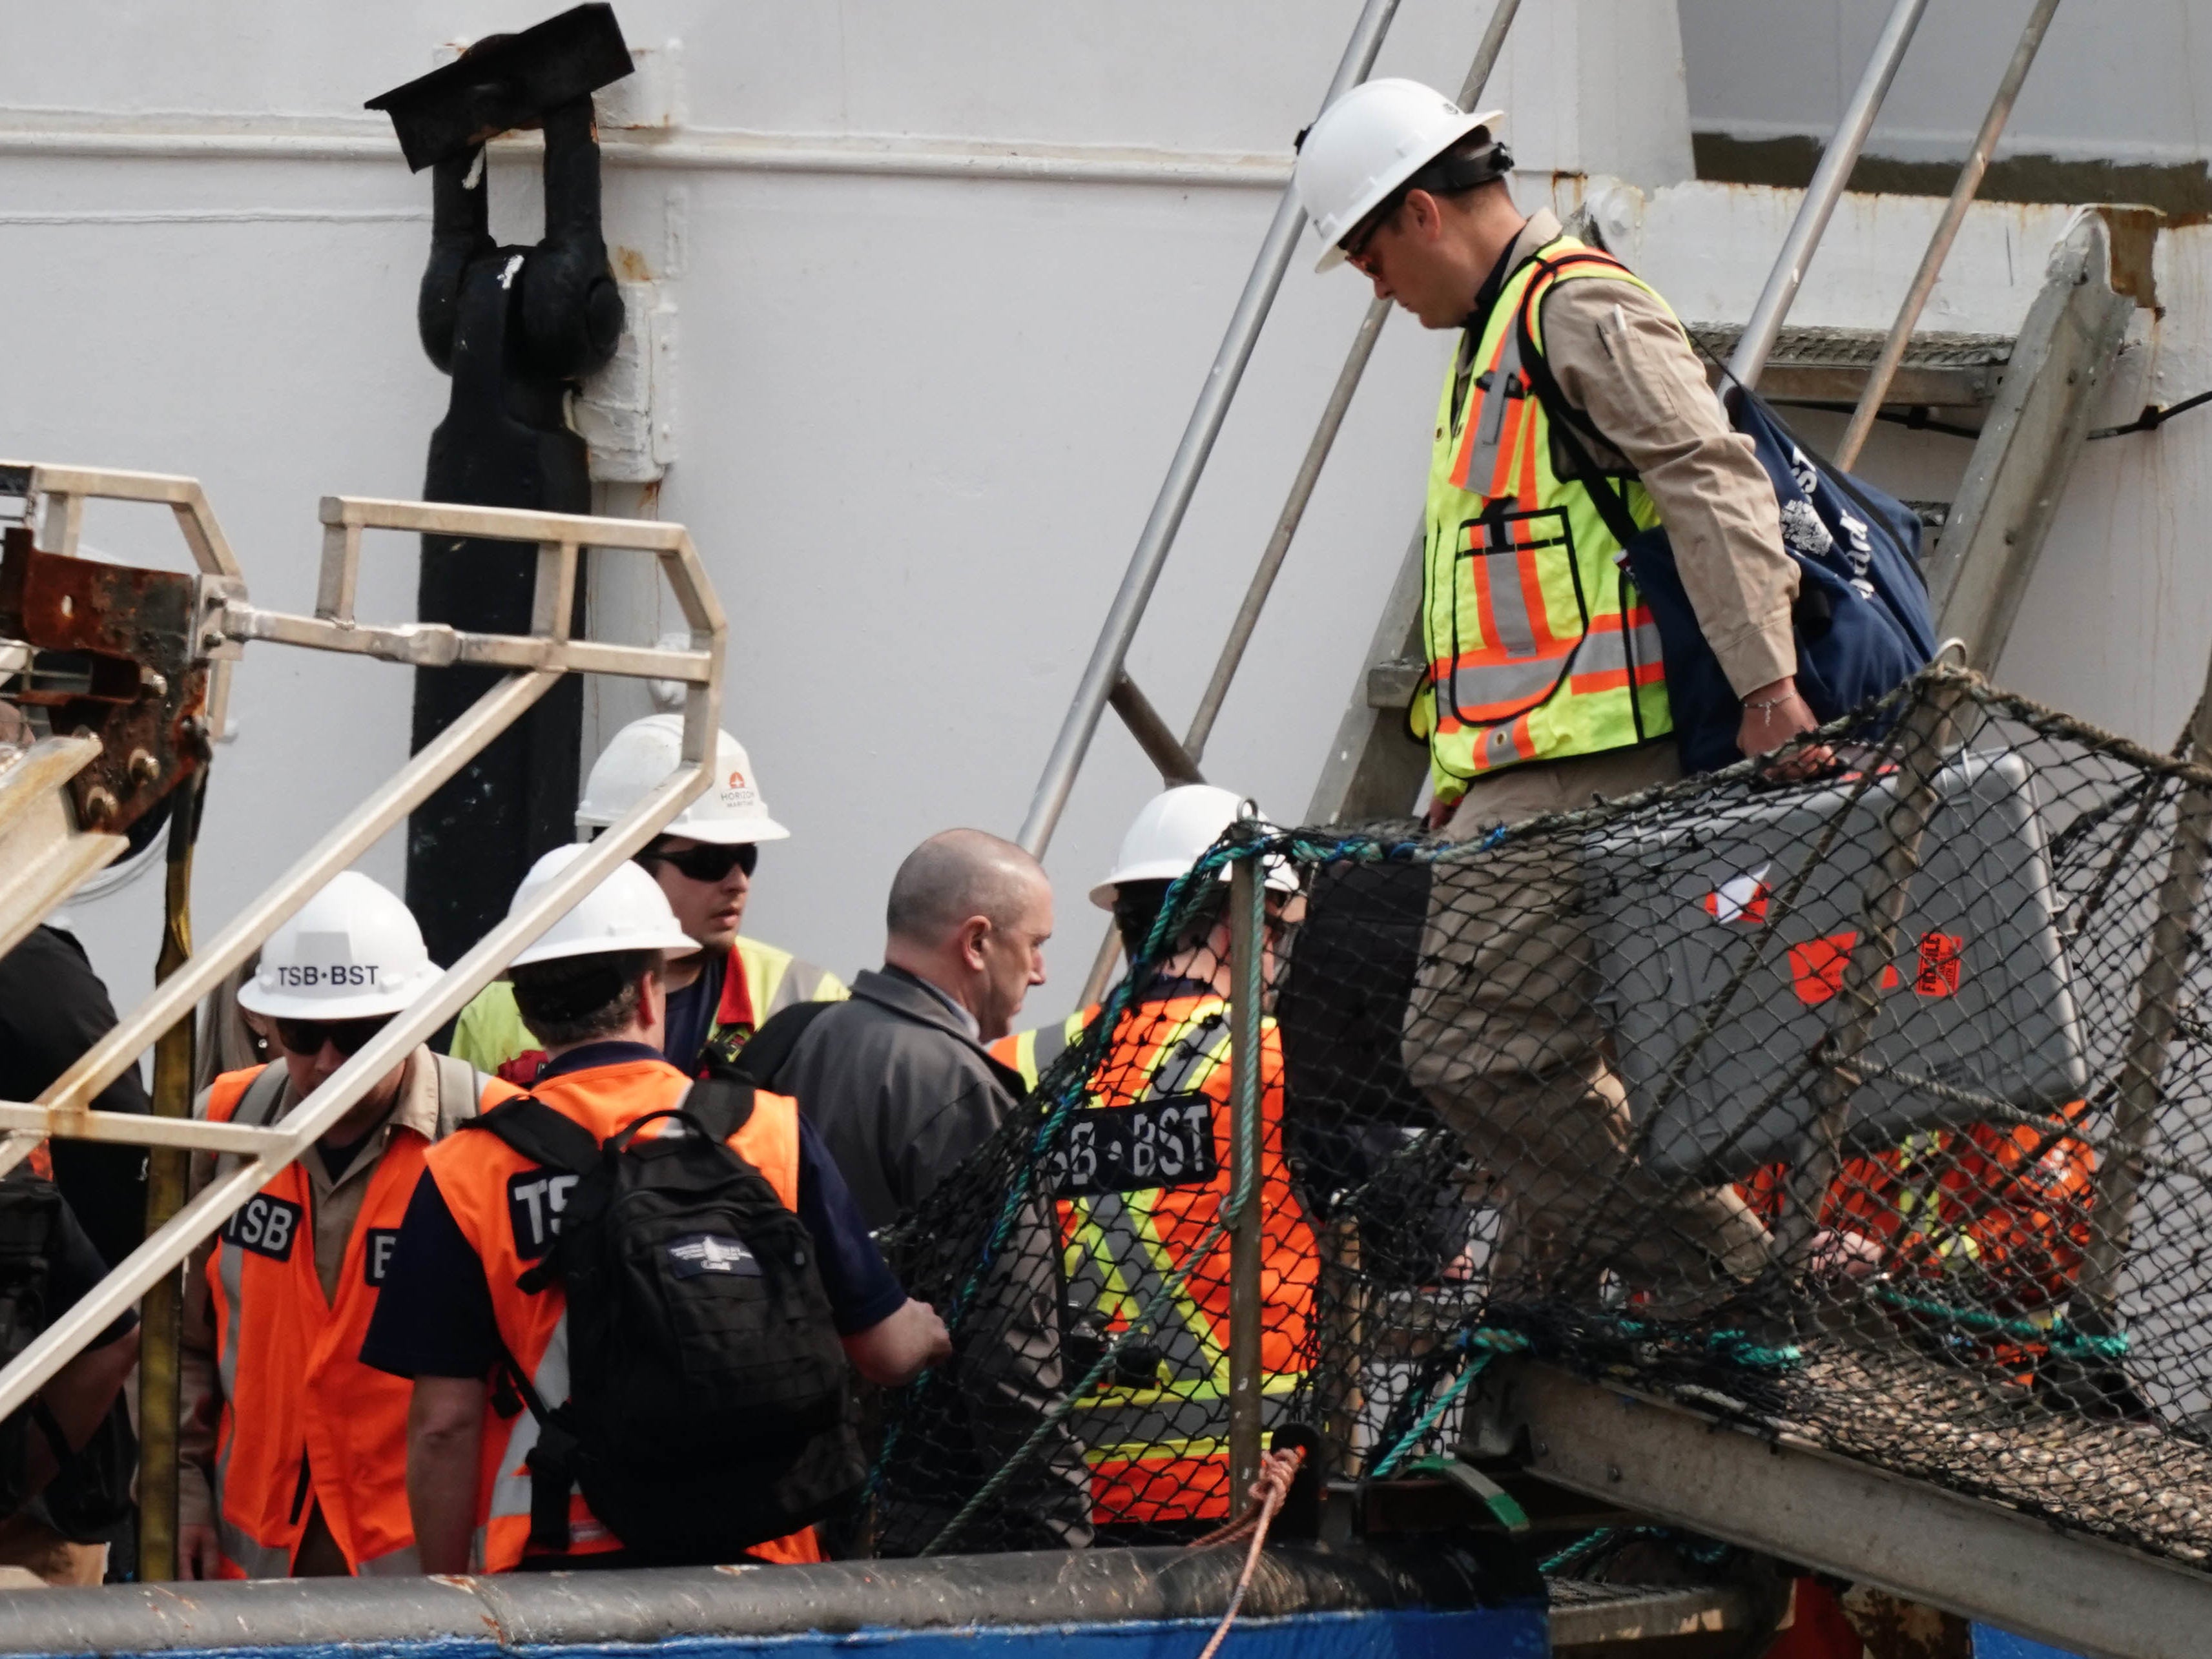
{"x": 898, "y": 1090}
{"x": 901, "y": 1093}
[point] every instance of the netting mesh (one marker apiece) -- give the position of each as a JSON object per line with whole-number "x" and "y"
{"x": 1869, "y": 1106}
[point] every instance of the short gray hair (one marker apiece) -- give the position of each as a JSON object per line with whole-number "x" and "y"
{"x": 954, "y": 875}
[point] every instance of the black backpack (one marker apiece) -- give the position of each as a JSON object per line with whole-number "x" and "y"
{"x": 707, "y": 1407}
{"x": 89, "y": 1500}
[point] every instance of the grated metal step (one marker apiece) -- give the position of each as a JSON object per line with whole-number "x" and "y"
{"x": 1829, "y": 365}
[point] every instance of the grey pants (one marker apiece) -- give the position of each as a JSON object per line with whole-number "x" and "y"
{"x": 1502, "y": 1036}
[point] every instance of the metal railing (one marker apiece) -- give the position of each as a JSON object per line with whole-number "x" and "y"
{"x": 227, "y": 619}
{"x": 1947, "y": 230}
{"x": 1764, "y": 325}
{"x": 1104, "y": 668}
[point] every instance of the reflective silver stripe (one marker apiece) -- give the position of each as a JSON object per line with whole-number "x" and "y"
{"x": 1482, "y": 457}
{"x": 510, "y": 1492}
{"x": 1499, "y": 746}
{"x": 1607, "y": 650}
{"x": 259, "y": 1560}
{"x": 403, "y": 1563}
{"x": 1650, "y": 653}
{"x": 256, "y": 1107}
{"x": 1500, "y": 573}
{"x": 1508, "y": 682}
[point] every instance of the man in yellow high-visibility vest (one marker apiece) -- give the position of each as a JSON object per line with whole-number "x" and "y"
{"x": 704, "y": 862}
{"x": 1546, "y": 684}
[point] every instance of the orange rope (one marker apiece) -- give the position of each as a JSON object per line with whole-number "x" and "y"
{"x": 1277, "y": 1470}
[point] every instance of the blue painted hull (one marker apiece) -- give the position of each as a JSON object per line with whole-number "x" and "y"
{"x": 1398, "y": 1633}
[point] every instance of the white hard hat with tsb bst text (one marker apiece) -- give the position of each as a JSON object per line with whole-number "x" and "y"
{"x": 352, "y": 952}
{"x": 646, "y": 751}
{"x": 1367, "y": 144}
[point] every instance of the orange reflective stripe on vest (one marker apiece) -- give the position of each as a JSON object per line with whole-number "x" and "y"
{"x": 304, "y": 1423}
{"x": 506, "y": 1207}
{"x": 1133, "y": 1207}
{"x": 1538, "y": 646}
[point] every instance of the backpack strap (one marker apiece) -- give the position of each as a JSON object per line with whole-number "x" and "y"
{"x": 550, "y": 1140}
{"x": 772, "y": 1046}
{"x": 551, "y": 1462}
{"x": 1569, "y": 423}
{"x": 723, "y": 1105}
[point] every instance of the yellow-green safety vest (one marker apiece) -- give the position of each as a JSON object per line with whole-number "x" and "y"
{"x": 1537, "y": 644}
{"x": 491, "y": 1034}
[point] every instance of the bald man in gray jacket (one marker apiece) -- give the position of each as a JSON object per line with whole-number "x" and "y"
{"x": 899, "y": 1085}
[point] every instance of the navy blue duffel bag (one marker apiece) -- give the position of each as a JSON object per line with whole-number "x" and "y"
{"x": 1861, "y": 619}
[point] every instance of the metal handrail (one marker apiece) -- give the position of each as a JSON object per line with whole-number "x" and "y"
{"x": 544, "y": 655}
{"x": 1324, "y": 437}
{"x": 1764, "y": 326}
{"x": 1947, "y": 231}
{"x": 1180, "y": 766}
{"x": 1204, "y": 426}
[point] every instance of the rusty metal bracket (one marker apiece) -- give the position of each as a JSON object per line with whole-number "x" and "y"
{"x": 144, "y": 695}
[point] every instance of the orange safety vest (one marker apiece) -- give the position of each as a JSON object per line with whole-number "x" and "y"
{"x": 508, "y": 1208}
{"x": 301, "y": 1416}
{"x": 2003, "y": 1209}
{"x": 1134, "y": 1200}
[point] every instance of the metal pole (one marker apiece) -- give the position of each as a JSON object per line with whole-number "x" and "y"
{"x": 1926, "y": 735}
{"x": 1190, "y": 457}
{"x": 167, "y": 1174}
{"x": 1324, "y": 437}
{"x": 1759, "y": 333}
{"x": 1947, "y": 230}
{"x": 1247, "y": 976}
{"x": 2150, "y": 1034}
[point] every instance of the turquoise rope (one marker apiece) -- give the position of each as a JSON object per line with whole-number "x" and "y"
{"x": 2061, "y": 1336}
{"x": 1495, "y": 1343}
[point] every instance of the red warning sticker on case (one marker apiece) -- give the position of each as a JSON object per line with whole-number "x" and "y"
{"x": 1941, "y": 954}
{"x": 1816, "y": 967}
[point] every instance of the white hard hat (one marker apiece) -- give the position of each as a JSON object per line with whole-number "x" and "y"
{"x": 1170, "y": 833}
{"x": 626, "y": 912}
{"x": 352, "y": 952}
{"x": 646, "y": 751}
{"x": 1367, "y": 144}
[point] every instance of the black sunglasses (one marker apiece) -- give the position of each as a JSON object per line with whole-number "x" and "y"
{"x": 1355, "y": 243}
{"x": 709, "y": 863}
{"x": 348, "y": 1036}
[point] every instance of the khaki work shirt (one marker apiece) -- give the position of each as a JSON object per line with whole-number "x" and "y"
{"x": 1624, "y": 360}
{"x": 337, "y": 1206}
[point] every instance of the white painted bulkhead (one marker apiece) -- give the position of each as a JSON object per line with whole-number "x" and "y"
{"x": 937, "y": 288}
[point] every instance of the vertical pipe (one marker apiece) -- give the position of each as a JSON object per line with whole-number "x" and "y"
{"x": 1247, "y": 977}
{"x": 168, "y": 1168}
{"x": 1922, "y": 746}
{"x": 2150, "y": 1034}
{"x": 1759, "y": 333}
{"x": 1324, "y": 437}
{"x": 1190, "y": 457}
{"x": 1947, "y": 230}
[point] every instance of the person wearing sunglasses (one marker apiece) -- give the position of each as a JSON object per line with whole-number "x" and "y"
{"x": 704, "y": 863}
{"x": 294, "y": 1454}
{"x": 1575, "y": 424}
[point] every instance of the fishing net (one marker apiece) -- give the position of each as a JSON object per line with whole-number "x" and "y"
{"x": 1867, "y": 1105}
